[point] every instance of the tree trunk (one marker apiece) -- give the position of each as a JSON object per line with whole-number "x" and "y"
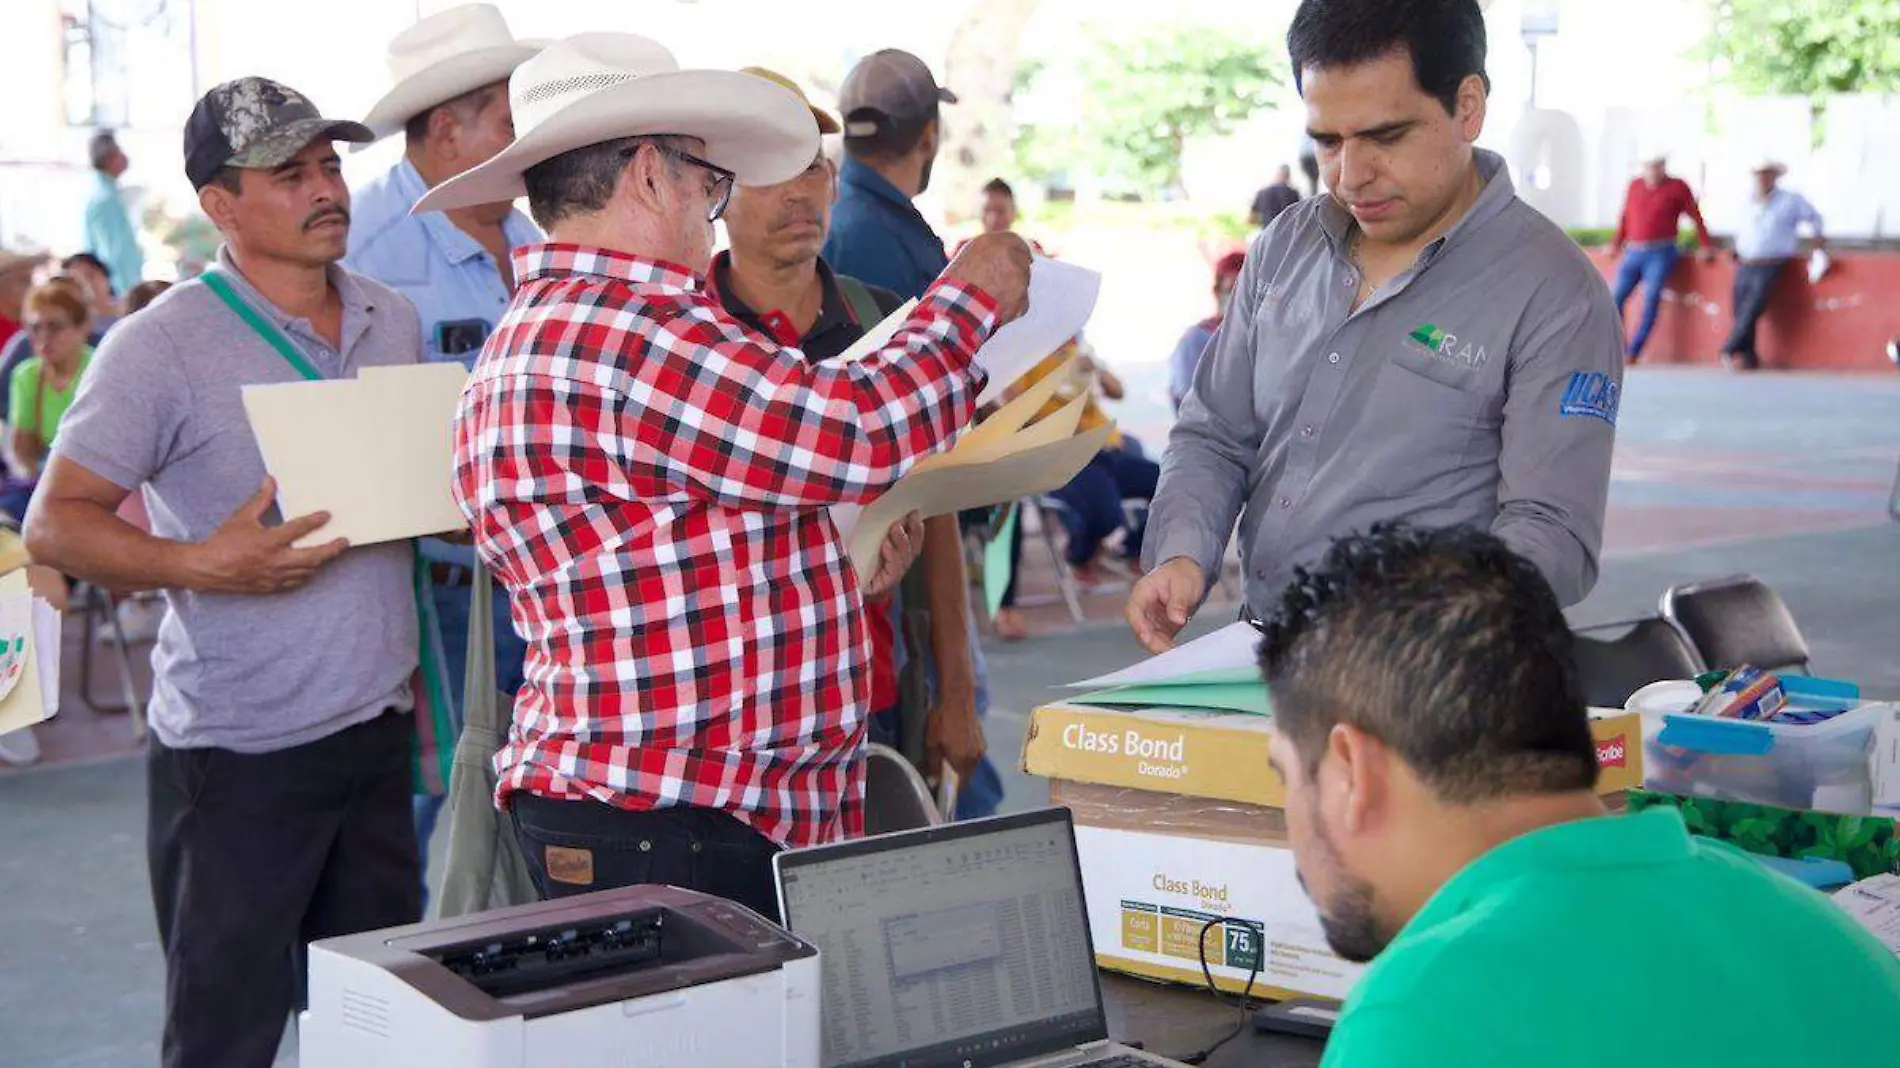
{"x": 981, "y": 69}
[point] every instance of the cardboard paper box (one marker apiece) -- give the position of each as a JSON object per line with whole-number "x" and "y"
{"x": 1157, "y": 868}
{"x": 1178, "y": 824}
{"x": 1224, "y": 754}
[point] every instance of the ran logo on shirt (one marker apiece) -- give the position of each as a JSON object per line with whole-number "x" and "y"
{"x": 1593, "y": 395}
{"x": 1440, "y": 345}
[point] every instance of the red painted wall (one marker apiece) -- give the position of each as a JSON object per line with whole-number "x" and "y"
{"x": 1841, "y": 324}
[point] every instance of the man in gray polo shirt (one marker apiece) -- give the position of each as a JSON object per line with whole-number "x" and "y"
{"x": 280, "y": 765}
{"x": 1419, "y": 344}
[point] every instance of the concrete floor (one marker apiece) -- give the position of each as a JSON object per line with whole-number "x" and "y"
{"x": 1782, "y": 476}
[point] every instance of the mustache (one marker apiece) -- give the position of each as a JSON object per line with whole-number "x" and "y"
{"x": 324, "y": 214}
{"x": 794, "y": 218}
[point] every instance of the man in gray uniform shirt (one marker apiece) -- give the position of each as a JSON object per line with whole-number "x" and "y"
{"x": 279, "y": 774}
{"x": 1419, "y": 344}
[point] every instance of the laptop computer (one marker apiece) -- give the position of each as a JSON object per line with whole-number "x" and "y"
{"x": 961, "y": 946}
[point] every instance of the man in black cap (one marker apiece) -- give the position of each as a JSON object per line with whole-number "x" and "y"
{"x": 279, "y": 773}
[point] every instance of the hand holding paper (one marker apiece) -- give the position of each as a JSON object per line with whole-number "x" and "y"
{"x": 1000, "y": 266}
{"x": 375, "y": 451}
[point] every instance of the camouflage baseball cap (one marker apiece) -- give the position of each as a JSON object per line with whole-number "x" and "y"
{"x": 256, "y": 123}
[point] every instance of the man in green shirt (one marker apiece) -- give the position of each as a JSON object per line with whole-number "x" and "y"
{"x": 1440, "y": 775}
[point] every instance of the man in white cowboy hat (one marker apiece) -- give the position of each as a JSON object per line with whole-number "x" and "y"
{"x": 450, "y": 101}
{"x": 1764, "y": 244}
{"x": 649, "y": 479}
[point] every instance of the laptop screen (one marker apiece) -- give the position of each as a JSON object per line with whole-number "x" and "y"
{"x": 965, "y": 944}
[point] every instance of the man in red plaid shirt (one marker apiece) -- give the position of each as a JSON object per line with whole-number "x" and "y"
{"x": 650, "y": 481}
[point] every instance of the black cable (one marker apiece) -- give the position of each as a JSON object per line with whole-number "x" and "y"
{"x": 1246, "y": 994}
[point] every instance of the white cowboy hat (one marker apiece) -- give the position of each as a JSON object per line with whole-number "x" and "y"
{"x": 442, "y": 57}
{"x": 597, "y": 87}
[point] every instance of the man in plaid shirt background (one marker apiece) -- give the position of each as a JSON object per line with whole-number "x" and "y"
{"x": 650, "y": 481}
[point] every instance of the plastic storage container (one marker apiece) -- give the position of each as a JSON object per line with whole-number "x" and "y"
{"x": 1822, "y": 767}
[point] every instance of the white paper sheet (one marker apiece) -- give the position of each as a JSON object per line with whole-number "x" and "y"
{"x": 26, "y": 703}
{"x": 1227, "y": 649}
{"x": 47, "y": 635}
{"x": 1875, "y": 904}
{"x": 1061, "y": 299}
{"x": 374, "y": 451}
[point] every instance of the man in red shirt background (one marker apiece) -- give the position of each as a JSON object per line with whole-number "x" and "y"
{"x": 1646, "y": 241}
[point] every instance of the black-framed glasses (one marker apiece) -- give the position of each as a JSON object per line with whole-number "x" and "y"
{"x": 723, "y": 179}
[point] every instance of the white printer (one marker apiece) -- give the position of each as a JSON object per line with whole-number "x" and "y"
{"x": 645, "y": 977}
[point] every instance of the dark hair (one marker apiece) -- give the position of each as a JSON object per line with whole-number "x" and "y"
{"x": 1444, "y": 644}
{"x": 100, "y": 149}
{"x": 230, "y": 179}
{"x": 999, "y": 187}
{"x": 582, "y": 180}
{"x": 466, "y": 108}
{"x": 66, "y": 265}
{"x": 144, "y": 293}
{"x": 894, "y": 139}
{"x": 1445, "y": 39}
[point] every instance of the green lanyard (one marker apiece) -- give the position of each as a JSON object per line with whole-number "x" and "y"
{"x": 438, "y": 744}
{"x": 262, "y": 327}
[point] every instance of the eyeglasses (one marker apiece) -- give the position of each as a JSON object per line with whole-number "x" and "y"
{"x": 721, "y": 192}
{"x": 38, "y": 327}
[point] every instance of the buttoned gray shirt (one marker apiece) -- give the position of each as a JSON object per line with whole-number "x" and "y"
{"x": 1479, "y": 387}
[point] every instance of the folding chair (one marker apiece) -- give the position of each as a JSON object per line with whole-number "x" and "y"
{"x": 896, "y": 798}
{"x": 1048, "y": 513}
{"x": 1737, "y": 620}
{"x": 96, "y": 606}
{"x": 1650, "y": 649}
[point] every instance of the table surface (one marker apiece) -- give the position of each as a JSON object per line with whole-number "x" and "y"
{"x": 1174, "y": 1021}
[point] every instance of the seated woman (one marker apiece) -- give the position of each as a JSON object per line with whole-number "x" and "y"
{"x": 1186, "y": 358}
{"x": 43, "y": 385}
{"x": 1092, "y": 500}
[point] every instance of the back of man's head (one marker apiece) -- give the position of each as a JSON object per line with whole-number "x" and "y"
{"x": 1445, "y": 39}
{"x": 891, "y": 102}
{"x": 1447, "y": 647}
{"x": 102, "y": 150}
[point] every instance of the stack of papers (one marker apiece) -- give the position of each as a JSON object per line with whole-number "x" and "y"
{"x": 1061, "y": 298}
{"x": 1218, "y": 671}
{"x": 1875, "y": 904}
{"x": 29, "y": 655}
{"x": 1004, "y": 458}
{"x": 376, "y": 451}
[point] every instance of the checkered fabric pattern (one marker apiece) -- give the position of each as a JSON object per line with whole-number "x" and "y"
{"x": 649, "y": 480}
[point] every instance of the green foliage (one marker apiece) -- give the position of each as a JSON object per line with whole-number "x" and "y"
{"x": 1599, "y": 238}
{"x": 1866, "y": 844}
{"x": 1143, "y": 99}
{"x": 1060, "y": 217}
{"x": 1812, "y": 48}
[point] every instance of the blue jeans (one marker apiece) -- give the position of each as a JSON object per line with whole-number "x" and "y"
{"x": 451, "y": 609}
{"x": 1093, "y": 500}
{"x": 1652, "y": 267}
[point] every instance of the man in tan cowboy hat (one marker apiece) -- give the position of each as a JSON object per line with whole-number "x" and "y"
{"x": 1764, "y": 244}
{"x": 450, "y": 100}
{"x": 650, "y": 480}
